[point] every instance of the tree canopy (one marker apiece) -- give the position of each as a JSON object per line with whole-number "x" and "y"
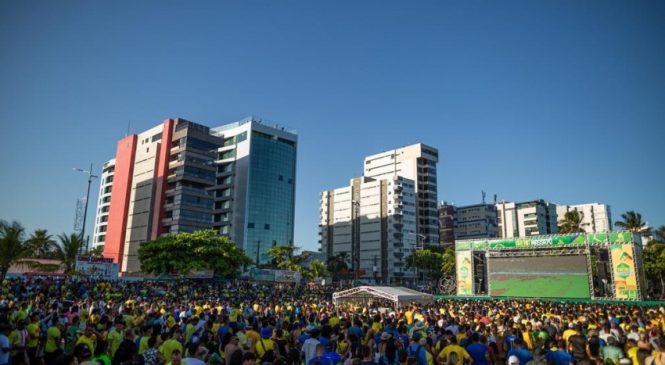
{"x": 285, "y": 257}
{"x": 572, "y": 222}
{"x": 435, "y": 262}
{"x": 185, "y": 252}
{"x": 632, "y": 221}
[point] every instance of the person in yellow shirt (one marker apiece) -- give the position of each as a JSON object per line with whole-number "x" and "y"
{"x": 266, "y": 349}
{"x": 115, "y": 336}
{"x": 89, "y": 338}
{"x": 145, "y": 336}
{"x": 33, "y": 337}
{"x": 53, "y": 338}
{"x": 462, "y": 355}
{"x": 172, "y": 345}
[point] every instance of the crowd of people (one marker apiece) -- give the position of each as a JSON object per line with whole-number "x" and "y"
{"x": 69, "y": 321}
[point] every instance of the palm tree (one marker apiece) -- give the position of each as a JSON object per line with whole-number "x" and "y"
{"x": 337, "y": 263}
{"x": 632, "y": 221}
{"x": 97, "y": 251}
{"x": 13, "y": 246}
{"x": 42, "y": 243}
{"x": 448, "y": 266}
{"x": 67, "y": 251}
{"x": 317, "y": 269}
{"x": 572, "y": 222}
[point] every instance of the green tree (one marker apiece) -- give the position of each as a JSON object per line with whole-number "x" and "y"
{"x": 653, "y": 257}
{"x": 285, "y": 257}
{"x": 13, "y": 246}
{"x": 632, "y": 221}
{"x": 448, "y": 264}
{"x": 42, "y": 243}
{"x": 66, "y": 251}
{"x": 572, "y": 222}
{"x": 97, "y": 251}
{"x": 316, "y": 269}
{"x": 337, "y": 263}
{"x": 429, "y": 261}
{"x": 185, "y": 252}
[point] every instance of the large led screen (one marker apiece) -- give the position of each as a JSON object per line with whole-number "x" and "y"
{"x": 539, "y": 277}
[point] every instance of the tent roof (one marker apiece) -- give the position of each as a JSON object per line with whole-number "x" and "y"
{"x": 398, "y": 295}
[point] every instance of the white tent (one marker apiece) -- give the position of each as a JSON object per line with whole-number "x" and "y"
{"x": 397, "y": 295}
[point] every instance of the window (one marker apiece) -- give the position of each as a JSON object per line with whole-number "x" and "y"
{"x": 241, "y": 137}
{"x": 250, "y": 225}
{"x": 266, "y": 226}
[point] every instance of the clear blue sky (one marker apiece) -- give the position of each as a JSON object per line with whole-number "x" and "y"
{"x": 561, "y": 100}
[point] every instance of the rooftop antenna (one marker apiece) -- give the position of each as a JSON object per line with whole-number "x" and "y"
{"x": 482, "y": 192}
{"x": 129, "y": 123}
{"x": 494, "y": 199}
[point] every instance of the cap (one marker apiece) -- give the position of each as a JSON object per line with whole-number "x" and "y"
{"x": 513, "y": 360}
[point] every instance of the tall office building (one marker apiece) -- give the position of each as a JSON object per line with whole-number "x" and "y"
{"x": 596, "y": 217}
{"x": 172, "y": 178}
{"x": 418, "y": 163}
{"x": 161, "y": 183}
{"x": 103, "y": 203}
{"x": 467, "y": 222}
{"x": 255, "y": 188}
{"x": 373, "y": 222}
{"x": 531, "y": 218}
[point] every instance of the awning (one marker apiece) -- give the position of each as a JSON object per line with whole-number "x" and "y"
{"x": 397, "y": 295}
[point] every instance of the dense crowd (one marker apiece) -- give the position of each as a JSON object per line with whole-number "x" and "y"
{"x": 53, "y": 321}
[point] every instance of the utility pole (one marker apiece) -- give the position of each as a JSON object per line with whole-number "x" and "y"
{"x": 87, "y": 199}
{"x": 258, "y": 248}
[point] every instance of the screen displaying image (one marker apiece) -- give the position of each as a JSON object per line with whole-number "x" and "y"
{"x": 539, "y": 277}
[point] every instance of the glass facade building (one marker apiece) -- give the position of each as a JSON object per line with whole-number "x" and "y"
{"x": 271, "y": 194}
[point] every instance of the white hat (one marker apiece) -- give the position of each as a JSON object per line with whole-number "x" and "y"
{"x": 513, "y": 360}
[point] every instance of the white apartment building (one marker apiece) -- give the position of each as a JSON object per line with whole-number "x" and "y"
{"x": 374, "y": 222}
{"x": 532, "y": 218}
{"x": 103, "y": 203}
{"x": 418, "y": 163}
{"x": 597, "y": 217}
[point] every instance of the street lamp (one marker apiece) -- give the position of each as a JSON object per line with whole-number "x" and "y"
{"x": 87, "y": 198}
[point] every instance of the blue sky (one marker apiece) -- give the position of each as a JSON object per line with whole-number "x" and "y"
{"x": 561, "y": 100}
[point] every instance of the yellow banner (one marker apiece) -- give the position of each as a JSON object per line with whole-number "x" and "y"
{"x": 623, "y": 270}
{"x": 464, "y": 273}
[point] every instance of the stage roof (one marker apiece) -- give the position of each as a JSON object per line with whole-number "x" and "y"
{"x": 396, "y": 294}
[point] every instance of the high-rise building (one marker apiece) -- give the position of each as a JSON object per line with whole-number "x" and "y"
{"x": 373, "y": 222}
{"x": 446, "y": 224}
{"x": 418, "y": 163}
{"x": 596, "y": 217}
{"x": 531, "y": 218}
{"x": 174, "y": 177}
{"x": 467, "y": 222}
{"x": 255, "y": 188}
{"x": 103, "y": 203}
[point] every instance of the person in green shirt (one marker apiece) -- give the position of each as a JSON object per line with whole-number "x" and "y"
{"x": 33, "y": 329}
{"x": 612, "y": 353}
{"x": 115, "y": 335}
{"x": 72, "y": 334}
{"x": 53, "y": 339}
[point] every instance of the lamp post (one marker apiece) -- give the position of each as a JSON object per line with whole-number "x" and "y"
{"x": 355, "y": 240}
{"x": 87, "y": 199}
{"x": 420, "y": 238}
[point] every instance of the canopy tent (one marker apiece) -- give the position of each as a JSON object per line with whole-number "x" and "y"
{"x": 397, "y": 295}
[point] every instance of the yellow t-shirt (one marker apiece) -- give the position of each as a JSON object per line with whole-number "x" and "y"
{"x": 143, "y": 344}
{"x": 88, "y": 341}
{"x": 114, "y": 338}
{"x": 33, "y": 334}
{"x": 52, "y": 339}
{"x": 169, "y": 346}
{"x": 462, "y": 354}
{"x": 263, "y": 346}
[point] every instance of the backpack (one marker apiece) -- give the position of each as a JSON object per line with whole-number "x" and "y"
{"x": 412, "y": 358}
{"x": 269, "y": 355}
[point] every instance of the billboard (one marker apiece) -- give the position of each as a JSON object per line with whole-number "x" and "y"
{"x": 98, "y": 267}
{"x": 540, "y": 276}
{"x": 464, "y": 272}
{"x": 623, "y": 271}
{"x": 553, "y": 241}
